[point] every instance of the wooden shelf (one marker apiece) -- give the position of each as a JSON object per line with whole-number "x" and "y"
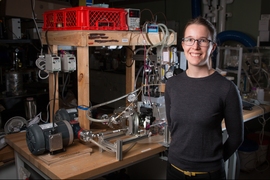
{"x": 102, "y": 38}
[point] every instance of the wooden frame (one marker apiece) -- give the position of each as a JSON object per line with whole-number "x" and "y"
{"x": 82, "y": 39}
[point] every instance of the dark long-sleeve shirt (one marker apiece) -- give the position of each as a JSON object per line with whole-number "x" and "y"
{"x": 195, "y": 108}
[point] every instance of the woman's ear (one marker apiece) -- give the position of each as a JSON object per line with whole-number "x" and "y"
{"x": 214, "y": 47}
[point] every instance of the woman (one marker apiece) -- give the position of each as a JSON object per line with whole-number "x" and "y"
{"x": 197, "y": 101}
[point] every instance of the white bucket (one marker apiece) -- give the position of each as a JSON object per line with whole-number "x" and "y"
{"x": 247, "y": 155}
{"x": 248, "y": 160}
{"x": 261, "y": 154}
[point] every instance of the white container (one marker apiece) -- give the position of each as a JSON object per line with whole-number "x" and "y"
{"x": 248, "y": 160}
{"x": 260, "y": 94}
{"x": 261, "y": 154}
{"x": 30, "y": 108}
{"x": 264, "y": 25}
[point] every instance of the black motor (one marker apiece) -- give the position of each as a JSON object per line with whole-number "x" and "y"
{"x": 46, "y": 137}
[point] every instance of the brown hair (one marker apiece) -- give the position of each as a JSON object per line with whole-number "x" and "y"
{"x": 205, "y": 22}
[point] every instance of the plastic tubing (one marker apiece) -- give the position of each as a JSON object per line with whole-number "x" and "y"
{"x": 235, "y": 36}
{"x": 88, "y": 113}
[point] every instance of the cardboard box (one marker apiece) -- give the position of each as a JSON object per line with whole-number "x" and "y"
{"x": 264, "y": 25}
{"x": 14, "y": 28}
{"x": 264, "y": 36}
{"x": 86, "y": 2}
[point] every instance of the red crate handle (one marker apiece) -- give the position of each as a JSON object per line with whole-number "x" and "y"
{"x": 105, "y": 24}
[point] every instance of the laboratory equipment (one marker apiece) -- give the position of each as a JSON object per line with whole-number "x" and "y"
{"x": 30, "y": 108}
{"x": 248, "y": 66}
{"x": 133, "y": 19}
{"x": 142, "y": 116}
{"x": 229, "y": 59}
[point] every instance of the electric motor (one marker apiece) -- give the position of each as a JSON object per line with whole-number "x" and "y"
{"x": 66, "y": 114}
{"x": 46, "y": 137}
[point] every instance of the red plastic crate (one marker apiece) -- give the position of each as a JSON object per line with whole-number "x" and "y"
{"x": 85, "y": 18}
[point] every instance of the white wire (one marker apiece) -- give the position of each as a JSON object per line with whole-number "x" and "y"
{"x": 41, "y": 64}
{"x": 40, "y": 60}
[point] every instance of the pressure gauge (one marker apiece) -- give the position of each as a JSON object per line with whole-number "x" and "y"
{"x": 256, "y": 61}
{"x": 132, "y": 97}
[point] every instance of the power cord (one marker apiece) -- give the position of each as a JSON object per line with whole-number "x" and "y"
{"x": 41, "y": 64}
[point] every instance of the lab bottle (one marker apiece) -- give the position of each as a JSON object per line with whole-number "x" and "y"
{"x": 253, "y": 93}
{"x": 30, "y": 108}
{"x": 260, "y": 94}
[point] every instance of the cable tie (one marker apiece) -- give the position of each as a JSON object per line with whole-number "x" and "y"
{"x": 83, "y": 107}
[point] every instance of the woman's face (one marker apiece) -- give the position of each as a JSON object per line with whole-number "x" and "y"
{"x": 197, "y": 55}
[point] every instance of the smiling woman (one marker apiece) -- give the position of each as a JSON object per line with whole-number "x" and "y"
{"x": 197, "y": 101}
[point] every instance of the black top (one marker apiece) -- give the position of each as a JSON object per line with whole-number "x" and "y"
{"x": 195, "y": 108}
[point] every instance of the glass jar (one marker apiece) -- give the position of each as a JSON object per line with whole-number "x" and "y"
{"x": 253, "y": 93}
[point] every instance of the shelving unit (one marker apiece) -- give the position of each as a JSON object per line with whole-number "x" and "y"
{"x": 226, "y": 61}
{"x": 82, "y": 39}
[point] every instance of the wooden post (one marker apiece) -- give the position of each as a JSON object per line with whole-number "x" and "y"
{"x": 130, "y": 71}
{"x": 53, "y": 88}
{"x": 83, "y": 84}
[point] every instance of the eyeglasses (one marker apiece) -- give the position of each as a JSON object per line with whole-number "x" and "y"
{"x": 202, "y": 42}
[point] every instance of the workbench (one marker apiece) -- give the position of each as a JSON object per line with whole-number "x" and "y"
{"x": 83, "y": 39}
{"x": 87, "y": 164}
{"x": 84, "y": 165}
{"x": 80, "y": 161}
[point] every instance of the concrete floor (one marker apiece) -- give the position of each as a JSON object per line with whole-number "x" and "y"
{"x": 8, "y": 171}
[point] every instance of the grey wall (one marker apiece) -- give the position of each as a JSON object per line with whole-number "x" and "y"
{"x": 245, "y": 17}
{"x": 265, "y": 7}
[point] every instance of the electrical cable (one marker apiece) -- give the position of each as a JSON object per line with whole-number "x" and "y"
{"x": 34, "y": 20}
{"x": 162, "y": 14}
{"x": 41, "y": 64}
{"x": 54, "y": 99}
{"x": 124, "y": 55}
{"x": 65, "y": 84}
{"x": 152, "y": 16}
{"x": 47, "y": 41}
{"x": 137, "y": 76}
